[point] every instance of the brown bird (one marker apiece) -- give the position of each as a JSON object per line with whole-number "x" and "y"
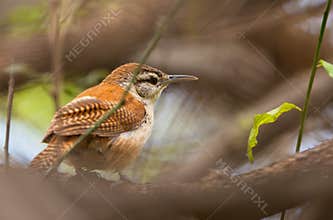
{"x": 120, "y": 138}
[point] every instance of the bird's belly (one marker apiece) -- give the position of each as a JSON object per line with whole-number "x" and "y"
{"x": 112, "y": 154}
{"x": 127, "y": 147}
{"x": 122, "y": 153}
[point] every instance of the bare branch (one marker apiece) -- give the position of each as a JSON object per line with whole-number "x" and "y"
{"x": 11, "y": 85}
{"x": 56, "y": 41}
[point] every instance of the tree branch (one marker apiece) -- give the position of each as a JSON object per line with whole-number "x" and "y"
{"x": 220, "y": 195}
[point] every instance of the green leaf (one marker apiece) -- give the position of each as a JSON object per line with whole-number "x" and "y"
{"x": 327, "y": 66}
{"x": 266, "y": 118}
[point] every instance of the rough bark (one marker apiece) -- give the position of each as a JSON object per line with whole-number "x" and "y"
{"x": 220, "y": 195}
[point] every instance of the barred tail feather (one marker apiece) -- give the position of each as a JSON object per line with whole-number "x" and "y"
{"x": 52, "y": 155}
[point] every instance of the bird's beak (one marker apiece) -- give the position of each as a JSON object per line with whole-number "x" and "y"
{"x": 179, "y": 78}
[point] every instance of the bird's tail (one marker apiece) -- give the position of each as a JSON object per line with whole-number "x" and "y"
{"x": 52, "y": 155}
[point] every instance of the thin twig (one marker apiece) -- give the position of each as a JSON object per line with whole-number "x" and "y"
{"x": 150, "y": 47}
{"x": 11, "y": 85}
{"x": 56, "y": 51}
{"x": 58, "y": 29}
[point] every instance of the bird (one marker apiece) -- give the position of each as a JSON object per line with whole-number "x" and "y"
{"x": 118, "y": 141}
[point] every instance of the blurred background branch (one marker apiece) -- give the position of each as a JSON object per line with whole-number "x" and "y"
{"x": 220, "y": 195}
{"x": 11, "y": 86}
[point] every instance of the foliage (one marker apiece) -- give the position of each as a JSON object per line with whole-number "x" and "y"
{"x": 27, "y": 19}
{"x": 266, "y": 118}
{"x": 35, "y": 104}
{"x": 327, "y": 66}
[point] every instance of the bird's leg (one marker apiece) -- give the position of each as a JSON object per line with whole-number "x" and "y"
{"x": 125, "y": 178}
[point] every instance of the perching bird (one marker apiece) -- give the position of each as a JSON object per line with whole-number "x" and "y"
{"x": 120, "y": 138}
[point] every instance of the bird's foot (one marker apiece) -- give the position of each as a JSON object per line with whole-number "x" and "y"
{"x": 125, "y": 178}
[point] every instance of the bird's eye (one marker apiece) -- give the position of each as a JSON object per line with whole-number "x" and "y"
{"x": 152, "y": 80}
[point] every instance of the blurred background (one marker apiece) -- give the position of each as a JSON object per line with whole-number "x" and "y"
{"x": 250, "y": 57}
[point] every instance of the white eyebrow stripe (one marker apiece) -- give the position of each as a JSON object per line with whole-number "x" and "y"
{"x": 147, "y": 75}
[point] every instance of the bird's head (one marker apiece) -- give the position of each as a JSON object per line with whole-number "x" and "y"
{"x": 149, "y": 82}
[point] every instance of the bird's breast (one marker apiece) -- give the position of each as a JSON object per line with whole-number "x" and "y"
{"x": 127, "y": 146}
{"x": 142, "y": 133}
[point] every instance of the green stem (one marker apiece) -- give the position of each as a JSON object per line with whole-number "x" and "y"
{"x": 312, "y": 76}
{"x": 311, "y": 80}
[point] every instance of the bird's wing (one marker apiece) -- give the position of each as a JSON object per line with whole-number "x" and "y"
{"x": 82, "y": 113}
